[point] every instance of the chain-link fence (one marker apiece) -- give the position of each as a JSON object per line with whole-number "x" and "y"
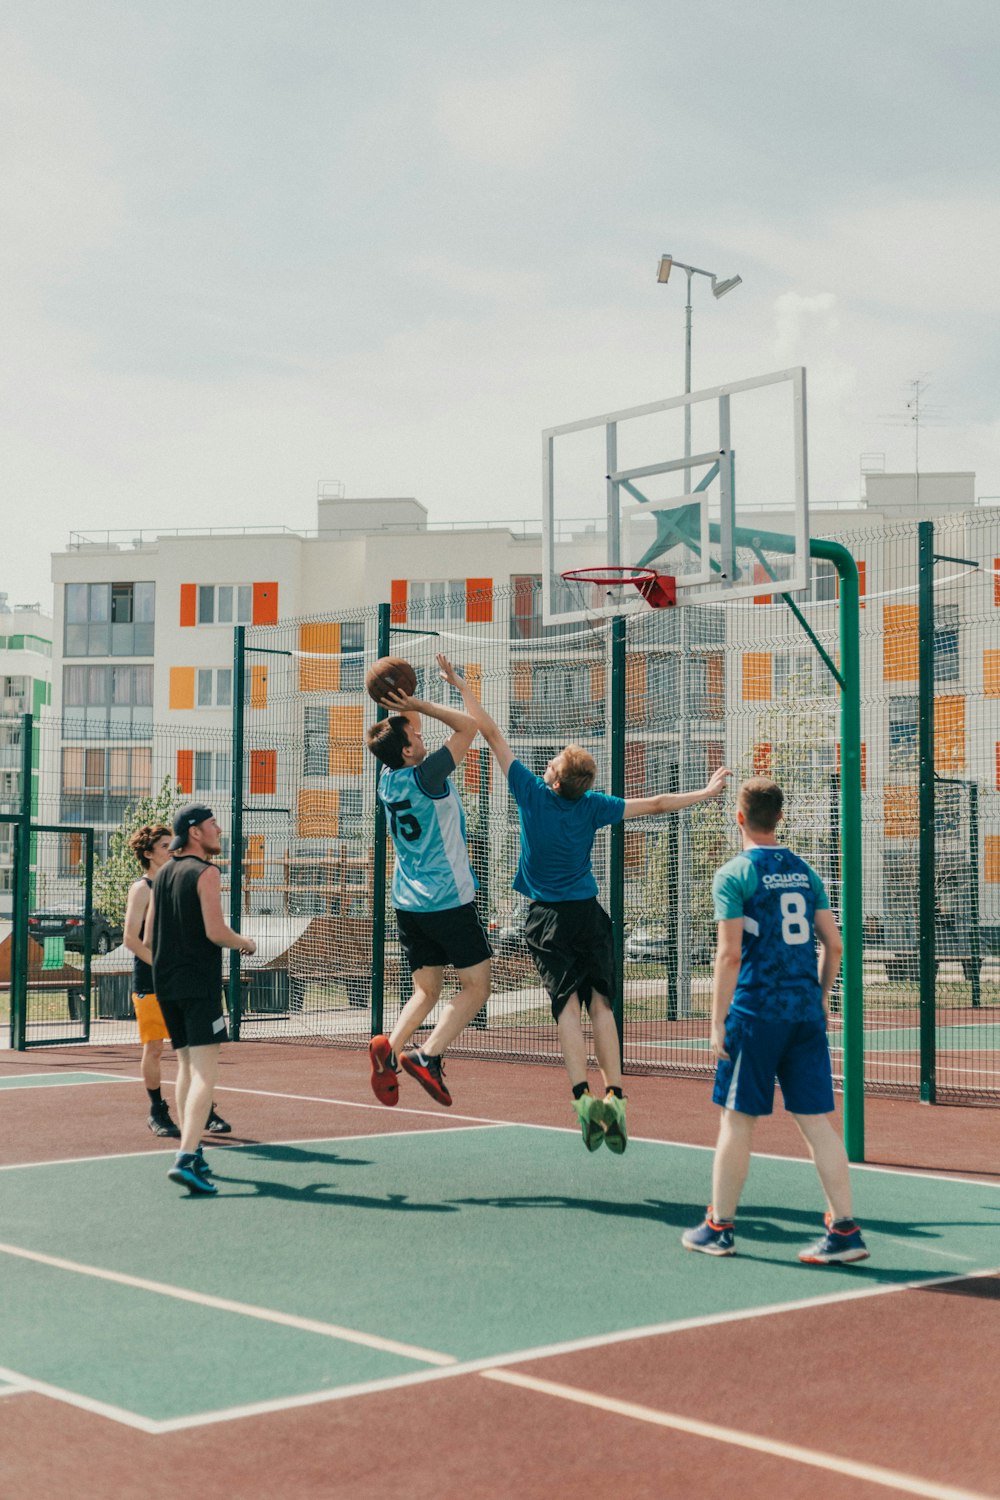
{"x": 740, "y": 685}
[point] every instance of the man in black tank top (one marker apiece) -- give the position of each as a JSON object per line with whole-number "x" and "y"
{"x": 188, "y": 934}
{"x": 151, "y": 847}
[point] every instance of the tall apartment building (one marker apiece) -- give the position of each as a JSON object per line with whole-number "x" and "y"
{"x": 25, "y": 687}
{"x": 143, "y": 636}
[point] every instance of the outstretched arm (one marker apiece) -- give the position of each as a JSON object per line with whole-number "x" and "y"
{"x": 463, "y": 726}
{"x": 135, "y": 914}
{"x": 643, "y": 807}
{"x": 487, "y": 726}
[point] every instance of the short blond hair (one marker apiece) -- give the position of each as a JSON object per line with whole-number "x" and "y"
{"x": 575, "y": 769}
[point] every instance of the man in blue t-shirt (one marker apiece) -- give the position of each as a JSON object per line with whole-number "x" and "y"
{"x": 433, "y": 891}
{"x": 567, "y": 931}
{"x": 770, "y": 1004}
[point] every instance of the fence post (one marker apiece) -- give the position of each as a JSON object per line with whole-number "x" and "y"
{"x": 379, "y": 863}
{"x": 616, "y": 868}
{"x": 22, "y": 896}
{"x": 236, "y": 826}
{"x": 926, "y": 904}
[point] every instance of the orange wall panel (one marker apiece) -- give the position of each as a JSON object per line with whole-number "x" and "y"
{"x": 991, "y": 673}
{"x": 762, "y": 759}
{"x": 479, "y": 600}
{"x": 901, "y": 810}
{"x": 253, "y": 857}
{"x": 347, "y": 752}
{"x": 263, "y": 773}
{"x": 317, "y": 814}
{"x": 757, "y": 676}
{"x": 900, "y": 643}
{"x": 949, "y": 733}
{"x": 397, "y": 601}
{"x": 991, "y": 861}
{"x": 182, "y": 687}
{"x": 258, "y": 687}
{"x": 185, "y": 772}
{"x": 189, "y": 603}
{"x": 319, "y": 664}
{"x": 265, "y": 604}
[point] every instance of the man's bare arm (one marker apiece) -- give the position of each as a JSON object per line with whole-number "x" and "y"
{"x": 832, "y": 952}
{"x": 728, "y": 957}
{"x": 644, "y": 807}
{"x": 139, "y": 907}
{"x": 463, "y": 727}
{"x": 485, "y": 723}
{"x": 217, "y": 929}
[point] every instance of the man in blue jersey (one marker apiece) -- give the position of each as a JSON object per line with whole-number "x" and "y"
{"x": 770, "y": 1005}
{"x": 433, "y": 891}
{"x": 567, "y": 931}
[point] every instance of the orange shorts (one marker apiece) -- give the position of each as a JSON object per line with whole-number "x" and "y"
{"x": 152, "y": 1027}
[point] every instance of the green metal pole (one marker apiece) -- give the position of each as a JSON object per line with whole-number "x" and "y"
{"x": 22, "y": 896}
{"x": 926, "y": 913}
{"x": 852, "y": 891}
{"x": 616, "y": 867}
{"x": 88, "y": 908}
{"x": 236, "y": 821}
{"x": 379, "y": 861}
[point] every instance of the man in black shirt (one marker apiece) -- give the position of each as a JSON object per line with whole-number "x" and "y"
{"x": 188, "y": 935}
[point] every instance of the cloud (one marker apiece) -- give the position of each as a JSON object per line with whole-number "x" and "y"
{"x": 514, "y": 120}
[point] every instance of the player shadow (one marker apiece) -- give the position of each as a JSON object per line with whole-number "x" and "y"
{"x": 677, "y": 1215}
{"x": 294, "y": 1155}
{"x": 322, "y": 1193}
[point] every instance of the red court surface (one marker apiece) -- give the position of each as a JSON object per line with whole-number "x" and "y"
{"x": 895, "y": 1392}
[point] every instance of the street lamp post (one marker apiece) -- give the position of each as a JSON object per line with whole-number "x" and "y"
{"x": 683, "y": 987}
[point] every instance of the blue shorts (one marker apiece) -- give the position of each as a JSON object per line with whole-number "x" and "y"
{"x": 795, "y": 1053}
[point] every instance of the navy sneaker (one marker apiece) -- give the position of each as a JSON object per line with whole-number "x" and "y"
{"x": 216, "y": 1125}
{"x": 428, "y": 1072}
{"x": 711, "y": 1237}
{"x": 192, "y": 1174}
{"x": 841, "y": 1244}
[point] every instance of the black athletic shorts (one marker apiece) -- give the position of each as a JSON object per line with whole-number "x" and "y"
{"x": 432, "y": 939}
{"x": 194, "y": 1023}
{"x": 572, "y": 945}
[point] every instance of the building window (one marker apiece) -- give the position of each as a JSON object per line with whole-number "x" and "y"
{"x": 225, "y": 603}
{"x": 316, "y": 741}
{"x": 437, "y": 601}
{"x": 98, "y": 785}
{"x": 215, "y": 687}
{"x": 109, "y": 619}
{"x": 352, "y": 666}
{"x": 802, "y": 674}
{"x": 946, "y": 666}
{"x": 102, "y": 702}
{"x": 211, "y": 771}
{"x": 903, "y": 733}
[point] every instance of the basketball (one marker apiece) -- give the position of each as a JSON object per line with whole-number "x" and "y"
{"x": 390, "y": 674}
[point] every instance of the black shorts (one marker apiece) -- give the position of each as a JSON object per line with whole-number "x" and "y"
{"x": 431, "y": 939}
{"x": 572, "y": 945}
{"x": 194, "y": 1023}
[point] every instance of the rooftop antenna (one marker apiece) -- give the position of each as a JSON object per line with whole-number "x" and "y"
{"x": 916, "y": 413}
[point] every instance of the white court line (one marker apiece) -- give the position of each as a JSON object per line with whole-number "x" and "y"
{"x": 225, "y": 1304}
{"x": 546, "y": 1351}
{"x": 27, "y": 1386}
{"x": 832, "y": 1463}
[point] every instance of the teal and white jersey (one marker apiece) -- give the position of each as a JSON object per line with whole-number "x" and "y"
{"x": 427, "y": 826}
{"x": 777, "y": 896}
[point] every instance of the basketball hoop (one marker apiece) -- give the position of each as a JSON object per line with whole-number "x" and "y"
{"x": 609, "y": 581}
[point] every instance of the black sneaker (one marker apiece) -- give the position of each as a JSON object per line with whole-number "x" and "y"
{"x": 428, "y": 1072}
{"x": 201, "y": 1164}
{"x": 216, "y": 1125}
{"x": 160, "y": 1122}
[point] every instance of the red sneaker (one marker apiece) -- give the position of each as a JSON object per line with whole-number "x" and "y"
{"x": 385, "y": 1078}
{"x": 429, "y": 1074}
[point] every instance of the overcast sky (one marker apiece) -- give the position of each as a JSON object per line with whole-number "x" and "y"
{"x": 249, "y": 246}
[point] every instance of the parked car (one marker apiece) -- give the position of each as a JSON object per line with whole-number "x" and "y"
{"x": 656, "y": 943}
{"x": 104, "y": 934}
{"x": 507, "y": 935}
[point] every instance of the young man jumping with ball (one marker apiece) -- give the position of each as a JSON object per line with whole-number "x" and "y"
{"x": 770, "y": 1006}
{"x": 567, "y": 931}
{"x": 433, "y": 890}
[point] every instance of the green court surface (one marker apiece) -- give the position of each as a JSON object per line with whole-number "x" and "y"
{"x": 971, "y": 1037}
{"x": 464, "y": 1244}
{"x": 55, "y": 1080}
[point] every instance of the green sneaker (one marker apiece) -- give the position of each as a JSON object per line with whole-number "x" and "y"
{"x": 590, "y": 1113}
{"x": 615, "y": 1133}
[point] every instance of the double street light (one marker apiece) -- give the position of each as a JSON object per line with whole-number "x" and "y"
{"x": 719, "y": 289}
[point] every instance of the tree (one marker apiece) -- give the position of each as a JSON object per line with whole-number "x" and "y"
{"x": 114, "y": 875}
